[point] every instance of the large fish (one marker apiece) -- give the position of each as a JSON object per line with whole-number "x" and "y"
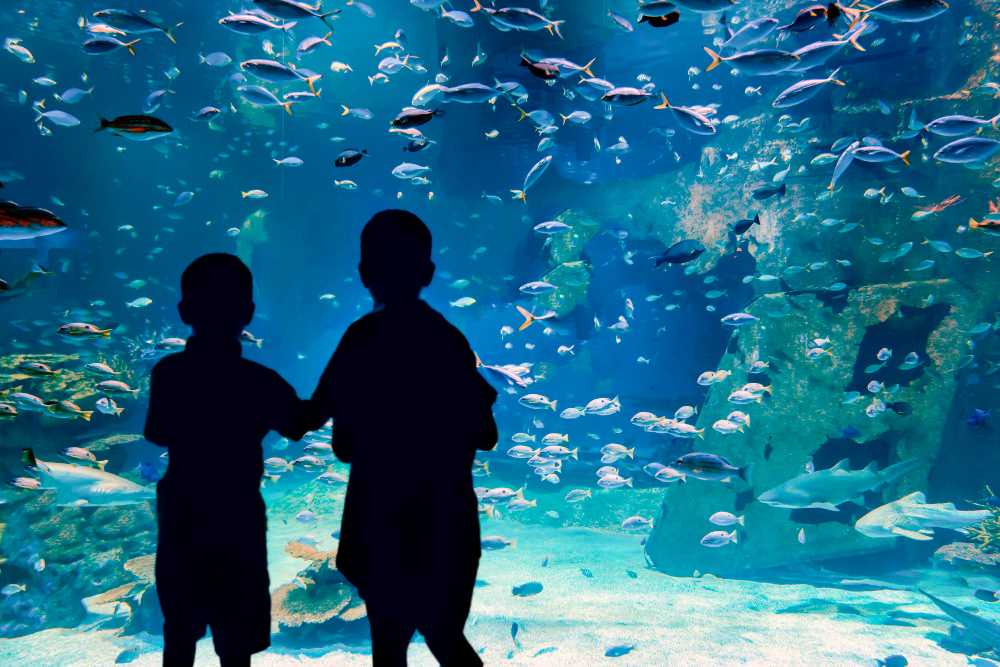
{"x": 912, "y": 517}
{"x": 82, "y": 485}
{"x": 825, "y": 489}
{"x": 985, "y": 629}
{"x": 18, "y": 223}
{"x": 137, "y": 128}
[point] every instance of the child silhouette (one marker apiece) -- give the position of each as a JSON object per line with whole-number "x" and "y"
{"x": 211, "y": 408}
{"x": 410, "y": 410}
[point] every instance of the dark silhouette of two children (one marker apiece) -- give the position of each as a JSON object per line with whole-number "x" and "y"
{"x": 409, "y": 409}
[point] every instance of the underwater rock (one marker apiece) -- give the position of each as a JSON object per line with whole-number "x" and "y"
{"x": 122, "y": 521}
{"x": 967, "y": 556}
{"x": 801, "y": 419}
{"x": 319, "y": 601}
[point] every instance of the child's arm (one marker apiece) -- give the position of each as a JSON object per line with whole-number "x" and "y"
{"x": 292, "y": 416}
{"x": 333, "y": 395}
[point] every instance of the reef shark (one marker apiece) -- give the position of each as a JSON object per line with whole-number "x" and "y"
{"x": 912, "y": 517}
{"x": 825, "y": 489}
{"x": 985, "y": 629}
{"x": 81, "y": 485}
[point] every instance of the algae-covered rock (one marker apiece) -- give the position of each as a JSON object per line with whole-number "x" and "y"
{"x": 799, "y": 418}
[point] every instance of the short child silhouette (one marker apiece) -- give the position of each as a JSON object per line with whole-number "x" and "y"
{"x": 410, "y": 410}
{"x": 211, "y": 408}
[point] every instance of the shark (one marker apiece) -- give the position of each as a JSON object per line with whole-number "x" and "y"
{"x": 78, "y": 485}
{"x": 825, "y": 489}
{"x": 912, "y": 517}
{"x": 985, "y": 629}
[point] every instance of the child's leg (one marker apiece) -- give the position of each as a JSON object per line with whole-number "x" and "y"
{"x": 179, "y": 653}
{"x": 449, "y": 645}
{"x": 234, "y": 661}
{"x": 391, "y": 632}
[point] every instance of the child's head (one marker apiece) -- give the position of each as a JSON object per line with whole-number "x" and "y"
{"x": 395, "y": 256}
{"x": 217, "y": 296}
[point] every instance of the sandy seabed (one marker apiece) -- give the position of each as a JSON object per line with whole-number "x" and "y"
{"x": 671, "y": 621}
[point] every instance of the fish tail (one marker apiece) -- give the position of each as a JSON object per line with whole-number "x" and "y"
{"x": 346, "y": 110}
{"x": 288, "y": 106}
{"x": 665, "y": 105}
{"x": 555, "y": 26}
{"x": 528, "y": 318}
{"x": 135, "y": 41}
{"x": 574, "y": 452}
{"x": 833, "y": 79}
{"x": 972, "y": 224}
{"x": 323, "y": 18}
{"x": 523, "y": 114}
{"x": 169, "y": 30}
{"x": 291, "y": 24}
{"x": 318, "y": 92}
{"x": 119, "y": 411}
{"x": 560, "y": 115}
{"x": 746, "y": 474}
{"x": 553, "y": 404}
{"x": 628, "y": 481}
{"x": 327, "y": 37}
{"x": 716, "y": 58}
{"x": 477, "y": 7}
{"x": 586, "y": 68}
{"x": 371, "y": 82}
{"x": 903, "y": 157}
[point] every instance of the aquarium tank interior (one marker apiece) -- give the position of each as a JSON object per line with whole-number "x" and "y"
{"x": 729, "y": 265}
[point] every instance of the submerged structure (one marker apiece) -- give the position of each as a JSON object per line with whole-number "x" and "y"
{"x": 730, "y": 265}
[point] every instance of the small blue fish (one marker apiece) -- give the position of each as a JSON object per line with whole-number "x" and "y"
{"x": 978, "y": 418}
{"x": 148, "y": 471}
{"x": 850, "y": 432}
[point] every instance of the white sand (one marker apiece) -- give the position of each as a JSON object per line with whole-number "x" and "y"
{"x": 671, "y": 621}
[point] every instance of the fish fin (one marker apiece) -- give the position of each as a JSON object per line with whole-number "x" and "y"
{"x": 629, "y": 481}
{"x": 86, "y": 415}
{"x": 555, "y": 26}
{"x": 528, "y": 318}
{"x": 826, "y": 506}
{"x": 739, "y": 520}
{"x": 169, "y": 30}
{"x": 716, "y": 58}
{"x": 553, "y": 404}
{"x": 586, "y": 68}
{"x": 666, "y": 104}
{"x": 119, "y": 411}
{"x": 732, "y": 536}
{"x": 477, "y": 7}
{"x": 346, "y": 110}
{"x": 101, "y": 464}
{"x": 910, "y": 534}
{"x": 288, "y": 108}
{"x": 574, "y": 452}
{"x": 746, "y": 474}
{"x": 129, "y": 44}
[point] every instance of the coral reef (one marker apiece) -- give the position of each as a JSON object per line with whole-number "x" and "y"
{"x": 318, "y": 603}
{"x": 82, "y": 552}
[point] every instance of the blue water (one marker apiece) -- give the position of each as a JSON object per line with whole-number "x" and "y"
{"x": 117, "y": 199}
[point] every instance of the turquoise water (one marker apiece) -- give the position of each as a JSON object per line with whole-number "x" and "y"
{"x": 856, "y": 310}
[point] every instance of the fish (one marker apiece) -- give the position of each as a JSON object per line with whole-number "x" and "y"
{"x": 912, "y": 517}
{"x": 803, "y": 90}
{"x": 764, "y": 192}
{"x": 85, "y": 486}
{"x": 136, "y": 128}
{"x": 680, "y": 253}
{"x": 968, "y": 149}
{"x": 712, "y": 468}
{"x": 760, "y": 62}
{"x": 719, "y": 538}
{"x": 983, "y": 628}
{"x": 19, "y": 223}
{"x": 825, "y": 489}
{"x": 106, "y": 43}
{"x": 689, "y": 119}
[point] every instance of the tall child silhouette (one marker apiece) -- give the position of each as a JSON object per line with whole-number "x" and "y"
{"x": 410, "y": 410}
{"x": 211, "y": 408}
